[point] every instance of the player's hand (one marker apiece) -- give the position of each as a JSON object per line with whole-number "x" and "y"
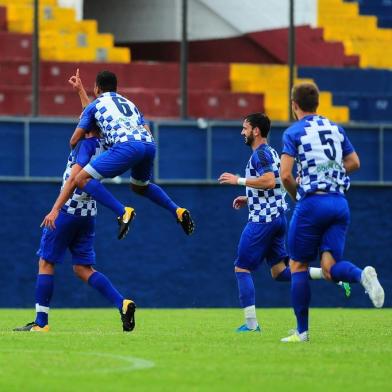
{"x": 76, "y": 82}
{"x": 239, "y": 202}
{"x": 228, "y": 178}
{"x": 49, "y": 220}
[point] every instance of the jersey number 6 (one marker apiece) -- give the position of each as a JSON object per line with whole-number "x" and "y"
{"x": 122, "y": 106}
{"x": 330, "y": 151}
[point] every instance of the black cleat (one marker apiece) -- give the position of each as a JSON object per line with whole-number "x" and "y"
{"x": 124, "y": 222}
{"x": 32, "y": 327}
{"x": 185, "y": 219}
{"x": 128, "y": 315}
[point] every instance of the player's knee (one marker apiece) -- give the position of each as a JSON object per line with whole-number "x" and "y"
{"x": 238, "y": 269}
{"x": 44, "y": 267}
{"x": 139, "y": 189}
{"x": 327, "y": 272}
{"x": 83, "y": 271}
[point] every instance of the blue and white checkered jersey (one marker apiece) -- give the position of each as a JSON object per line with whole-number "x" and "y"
{"x": 319, "y": 147}
{"x": 265, "y": 204}
{"x": 117, "y": 117}
{"x": 80, "y": 203}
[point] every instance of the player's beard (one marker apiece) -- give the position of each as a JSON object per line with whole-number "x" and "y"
{"x": 249, "y": 140}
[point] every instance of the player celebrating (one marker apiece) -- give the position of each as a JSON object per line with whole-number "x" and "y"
{"x": 132, "y": 147}
{"x": 264, "y": 234}
{"x": 320, "y": 220}
{"x": 74, "y": 228}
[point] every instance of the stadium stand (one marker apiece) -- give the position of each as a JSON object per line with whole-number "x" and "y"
{"x": 367, "y": 92}
{"x": 382, "y": 9}
{"x": 272, "y": 81}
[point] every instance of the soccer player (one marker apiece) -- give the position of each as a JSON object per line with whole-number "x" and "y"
{"x": 73, "y": 228}
{"x": 325, "y": 157}
{"x": 132, "y": 147}
{"x": 264, "y": 235}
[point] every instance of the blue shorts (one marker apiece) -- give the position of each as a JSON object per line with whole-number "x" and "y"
{"x": 262, "y": 241}
{"x": 75, "y": 233}
{"x": 319, "y": 223}
{"x": 134, "y": 155}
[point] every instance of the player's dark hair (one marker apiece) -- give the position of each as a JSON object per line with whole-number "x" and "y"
{"x": 106, "y": 81}
{"x": 261, "y": 121}
{"x": 306, "y": 96}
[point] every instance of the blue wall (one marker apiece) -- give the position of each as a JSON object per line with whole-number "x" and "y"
{"x": 183, "y": 149}
{"x": 159, "y": 266}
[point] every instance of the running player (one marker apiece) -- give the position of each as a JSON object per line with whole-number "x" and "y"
{"x": 264, "y": 235}
{"x": 324, "y": 157}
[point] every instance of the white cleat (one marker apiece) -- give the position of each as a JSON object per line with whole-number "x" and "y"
{"x": 296, "y": 337}
{"x": 372, "y": 286}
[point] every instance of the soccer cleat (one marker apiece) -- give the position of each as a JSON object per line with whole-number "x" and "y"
{"x": 32, "y": 327}
{"x": 124, "y": 222}
{"x": 296, "y": 337}
{"x": 372, "y": 286}
{"x": 346, "y": 287}
{"x": 128, "y": 315}
{"x": 244, "y": 328}
{"x": 185, "y": 219}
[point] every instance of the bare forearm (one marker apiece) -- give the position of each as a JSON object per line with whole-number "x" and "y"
{"x": 84, "y": 99}
{"x": 65, "y": 194}
{"x": 291, "y": 186}
{"x": 263, "y": 182}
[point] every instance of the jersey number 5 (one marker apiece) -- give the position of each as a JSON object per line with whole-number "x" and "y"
{"x": 122, "y": 106}
{"x": 330, "y": 151}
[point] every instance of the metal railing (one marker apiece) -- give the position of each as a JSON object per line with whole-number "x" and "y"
{"x": 208, "y": 130}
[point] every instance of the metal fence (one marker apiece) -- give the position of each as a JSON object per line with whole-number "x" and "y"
{"x": 189, "y": 152}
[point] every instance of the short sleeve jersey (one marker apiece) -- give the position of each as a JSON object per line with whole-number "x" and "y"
{"x": 265, "y": 205}
{"x": 118, "y": 119}
{"x": 81, "y": 203}
{"x": 319, "y": 147}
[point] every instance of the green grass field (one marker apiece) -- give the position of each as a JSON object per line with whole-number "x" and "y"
{"x": 196, "y": 350}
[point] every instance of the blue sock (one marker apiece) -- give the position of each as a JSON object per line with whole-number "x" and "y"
{"x": 300, "y": 296}
{"x": 43, "y": 295}
{"x": 284, "y": 276}
{"x": 156, "y": 194}
{"x": 346, "y": 272}
{"x": 101, "y": 283}
{"x": 103, "y": 196}
{"x": 246, "y": 289}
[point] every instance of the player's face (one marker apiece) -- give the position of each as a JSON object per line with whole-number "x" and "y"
{"x": 247, "y": 133}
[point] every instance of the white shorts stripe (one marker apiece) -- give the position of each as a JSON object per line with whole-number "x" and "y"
{"x": 93, "y": 173}
{"x": 138, "y": 182}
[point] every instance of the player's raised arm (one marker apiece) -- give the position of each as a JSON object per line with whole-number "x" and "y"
{"x": 77, "y": 85}
{"x": 286, "y": 174}
{"x": 65, "y": 194}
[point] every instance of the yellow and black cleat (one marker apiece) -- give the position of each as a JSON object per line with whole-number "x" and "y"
{"x": 128, "y": 315}
{"x": 185, "y": 220}
{"x": 32, "y": 327}
{"x": 124, "y": 222}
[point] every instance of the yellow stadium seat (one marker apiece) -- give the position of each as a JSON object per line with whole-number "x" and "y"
{"x": 272, "y": 81}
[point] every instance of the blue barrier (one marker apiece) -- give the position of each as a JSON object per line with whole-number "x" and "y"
{"x": 159, "y": 266}
{"x": 39, "y": 148}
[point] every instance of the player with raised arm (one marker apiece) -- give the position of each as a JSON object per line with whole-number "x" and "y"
{"x": 324, "y": 157}
{"x": 73, "y": 228}
{"x": 263, "y": 237}
{"x": 131, "y": 147}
